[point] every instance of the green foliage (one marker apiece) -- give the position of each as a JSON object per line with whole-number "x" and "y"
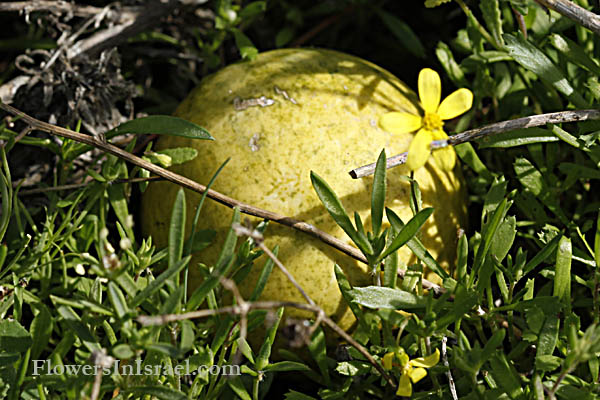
{"x": 520, "y": 310}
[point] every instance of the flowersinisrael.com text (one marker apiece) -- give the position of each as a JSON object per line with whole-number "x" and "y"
{"x": 44, "y": 367}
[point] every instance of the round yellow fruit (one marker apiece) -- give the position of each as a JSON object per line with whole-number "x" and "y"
{"x": 278, "y": 117}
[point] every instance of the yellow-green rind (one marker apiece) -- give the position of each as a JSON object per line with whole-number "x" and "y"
{"x": 324, "y": 118}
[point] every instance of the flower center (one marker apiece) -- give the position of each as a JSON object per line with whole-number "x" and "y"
{"x": 432, "y": 122}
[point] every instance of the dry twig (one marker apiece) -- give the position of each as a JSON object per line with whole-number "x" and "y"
{"x": 196, "y": 187}
{"x": 575, "y": 12}
{"x": 487, "y": 131}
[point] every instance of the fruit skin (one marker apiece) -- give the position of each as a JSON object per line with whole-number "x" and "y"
{"x": 323, "y": 117}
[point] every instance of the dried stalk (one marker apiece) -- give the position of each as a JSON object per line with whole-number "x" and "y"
{"x": 487, "y": 131}
{"x": 196, "y": 187}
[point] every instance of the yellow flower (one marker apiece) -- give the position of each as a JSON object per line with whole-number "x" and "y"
{"x": 429, "y": 127}
{"x": 410, "y": 370}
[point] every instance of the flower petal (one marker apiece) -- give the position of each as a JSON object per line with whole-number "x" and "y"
{"x": 430, "y": 90}
{"x": 419, "y": 151}
{"x": 426, "y": 362}
{"x": 400, "y": 122}
{"x": 416, "y": 374}
{"x": 404, "y": 387}
{"x": 387, "y": 360}
{"x": 455, "y": 104}
{"x": 445, "y": 158}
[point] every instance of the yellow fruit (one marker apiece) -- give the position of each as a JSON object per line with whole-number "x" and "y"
{"x": 278, "y": 117}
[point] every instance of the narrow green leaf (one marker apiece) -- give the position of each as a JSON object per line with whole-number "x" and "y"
{"x": 487, "y": 238}
{"x": 262, "y": 360}
{"x": 491, "y": 14}
{"x": 245, "y": 349}
{"x": 161, "y": 125}
{"x": 318, "y": 351}
{"x": 378, "y": 194}
{"x": 543, "y": 254}
{"x": 237, "y": 386}
{"x": 467, "y": 154}
{"x": 403, "y": 33}
{"x": 597, "y": 242}
{"x": 562, "y": 277}
{"x": 41, "y": 329}
{"x": 284, "y": 366}
{"x": 264, "y": 276}
{"x": 416, "y": 246}
{"x": 536, "y": 61}
{"x": 253, "y": 9}
{"x": 335, "y": 208}
{"x": 384, "y": 297}
{"x": 547, "y": 338}
{"x": 505, "y": 376}
{"x": 345, "y": 288}
{"x": 156, "y": 284}
{"x": 117, "y": 299}
{"x": 408, "y": 231}
{"x": 177, "y": 229}
{"x": 504, "y": 238}
{"x": 490, "y": 347}
{"x": 247, "y": 50}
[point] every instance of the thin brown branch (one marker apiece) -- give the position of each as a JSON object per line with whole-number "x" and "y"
{"x": 575, "y": 12}
{"x": 268, "y": 305}
{"x": 63, "y": 7}
{"x": 73, "y": 186}
{"x": 320, "y": 27}
{"x": 487, "y": 131}
{"x": 196, "y": 187}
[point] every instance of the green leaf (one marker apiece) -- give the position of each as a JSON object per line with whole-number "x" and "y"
{"x": 123, "y": 351}
{"x": 547, "y": 340}
{"x": 504, "y": 238}
{"x": 575, "y": 53}
{"x": 490, "y": 347}
{"x": 378, "y": 194}
{"x": 265, "y": 351}
{"x": 519, "y": 137}
{"x": 177, "y": 228}
{"x": 117, "y": 299}
{"x": 284, "y": 366}
{"x": 346, "y": 288}
{"x": 13, "y": 337}
{"x": 467, "y": 154}
{"x": 409, "y": 231}
{"x": 159, "y": 282}
{"x": 264, "y": 276}
{"x": 491, "y": 14}
{"x": 453, "y": 70}
{"x": 41, "y": 330}
{"x": 533, "y": 59}
{"x": 318, "y": 350}
{"x": 161, "y": 125}
{"x": 505, "y": 376}
{"x": 487, "y": 239}
{"x": 247, "y": 50}
{"x": 562, "y": 277}
{"x": 237, "y": 386}
{"x": 416, "y": 246}
{"x": 179, "y": 155}
{"x": 384, "y": 297}
{"x": 245, "y": 349}
{"x": 403, "y": 33}
{"x": 335, "y": 208}
{"x": 253, "y": 9}
{"x": 541, "y": 255}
